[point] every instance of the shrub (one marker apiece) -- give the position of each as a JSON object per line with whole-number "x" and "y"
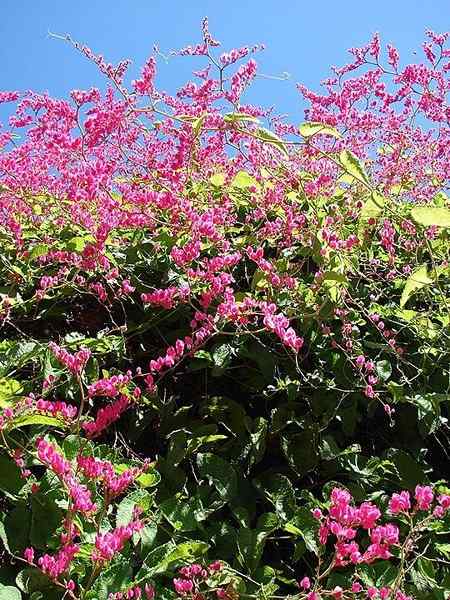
{"x": 225, "y": 354}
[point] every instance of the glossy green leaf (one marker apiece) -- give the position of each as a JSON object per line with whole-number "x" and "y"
{"x": 219, "y": 473}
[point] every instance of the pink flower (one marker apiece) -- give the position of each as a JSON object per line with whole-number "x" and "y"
{"x": 400, "y": 503}
{"x": 106, "y": 416}
{"x": 356, "y": 587}
{"x": 110, "y": 543}
{"x": 305, "y": 583}
{"x": 360, "y": 361}
{"x": 74, "y": 362}
{"x": 56, "y": 565}
{"x": 369, "y": 391}
{"x": 317, "y": 513}
{"x": 29, "y": 555}
{"x": 368, "y": 515}
{"x": 424, "y": 497}
{"x": 183, "y": 586}
{"x": 444, "y": 501}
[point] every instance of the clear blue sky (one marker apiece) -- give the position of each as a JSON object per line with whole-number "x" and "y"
{"x": 303, "y": 38}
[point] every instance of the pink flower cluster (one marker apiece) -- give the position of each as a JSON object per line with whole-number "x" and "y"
{"x": 108, "y": 544}
{"x": 74, "y": 362}
{"x": 166, "y": 297}
{"x": 279, "y": 324}
{"x": 135, "y": 592}
{"x": 188, "y": 344}
{"x": 106, "y": 416}
{"x": 347, "y": 521}
{"x": 109, "y": 386}
{"x": 186, "y": 254}
{"x": 424, "y": 497}
{"x": 56, "y": 565}
{"x": 80, "y": 495}
{"x": 344, "y": 520}
{"x": 57, "y": 409}
{"x": 115, "y": 484}
{"x": 191, "y": 577}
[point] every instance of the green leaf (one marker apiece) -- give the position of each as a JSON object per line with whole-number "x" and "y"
{"x": 431, "y": 215}
{"x": 113, "y": 578}
{"x": 334, "y": 276}
{"x": 149, "y": 479}
{"x": 182, "y": 514}
{"x": 309, "y": 129}
{"x": 38, "y": 250}
{"x": 217, "y": 180}
{"x": 147, "y": 537}
{"x": 271, "y": 138}
{"x": 46, "y": 517}
{"x": 408, "y": 471}
{"x": 222, "y": 355}
{"x": 243, "y": 180}
{"x": 443, "y": 549}
{"x": 17, "y": 527}
{"x": 126, "y": 507}
{"x": 236, "y": 117}
{"x": 9, "y": 390}
{"x": 250, "y": 545}
{"x": 11, "y": 481}
{"x": 428, "y": 411}
{"x": 372, "y": 208}
{"x": 37, "y": 419}
{"x": 418, "y": 279}
{"x": 352, "y": 165}
{"x": 197, "y": 125}
{"x": 78, "y": 243}
{"x": 160, "y": 559}
{"x": 301, "y": 450}
{"x": 278, "y": 489}
{"x": 219, "y": 473}
{"x": 384, "y": 369}
{"x": 8, "y": 592}
{"x": 32, "y": 580}
{"x": 304, "y": 525}
{"x": 258, "y": 440}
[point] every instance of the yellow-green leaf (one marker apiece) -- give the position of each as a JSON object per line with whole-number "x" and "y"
{"x": 217, "y": 180}
{"x": 235, "y": 117}
{"x": 243, "y": 180}
{"x": 353, "y": 166}
{"x": 271, "y": 138}
{"x": 431, "y": 215}
{"x": 9, "y": 390}
{"x": 197, "y": 125}
{"x": 372, "y": 209}
{"x": 415, "y": 282}
{"x": 313, "y": 128}
{"x": 37, "y": 419}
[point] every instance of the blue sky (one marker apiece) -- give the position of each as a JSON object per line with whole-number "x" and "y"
{"x": 302, "y": 38}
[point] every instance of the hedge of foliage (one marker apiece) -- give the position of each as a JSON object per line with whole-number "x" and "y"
{"x": 225, "y": 341}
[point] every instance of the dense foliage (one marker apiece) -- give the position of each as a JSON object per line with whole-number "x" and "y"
{"x": 224, "y": 362}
